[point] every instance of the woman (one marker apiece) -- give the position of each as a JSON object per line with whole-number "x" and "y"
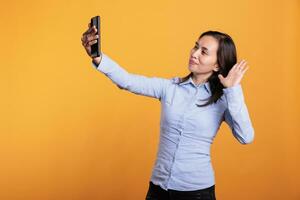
{"x": 192, "y": 110}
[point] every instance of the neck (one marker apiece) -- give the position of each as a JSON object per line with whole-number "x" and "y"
{"x": 200, "y": 78}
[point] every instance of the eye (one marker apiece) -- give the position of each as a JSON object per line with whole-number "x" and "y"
{"x": 203, "y": 52}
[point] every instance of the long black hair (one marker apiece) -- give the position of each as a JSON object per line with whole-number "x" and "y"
{"x": 226, "y": 58}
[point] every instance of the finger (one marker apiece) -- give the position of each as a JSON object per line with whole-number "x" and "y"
{"x": 243, "y": 65}
{"x": 92, "y": 42}
{"x": 87, "y": 31}
{"x": 245, "y": 69}
{"x": 86, "y": 37}
{"x": 89, "y": 43}
{"x": 240, "y": 65}
{"x": 220, "y": 76}
{"x": 94, "y": 29}
{"x": 90, "y": 30}
{"x": 236, "y": 66}
{"x": 233, "y": 69}
{"x": 92, "y": 37}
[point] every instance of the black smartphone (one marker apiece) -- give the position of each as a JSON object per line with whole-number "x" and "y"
{"x": 96, "y": 48}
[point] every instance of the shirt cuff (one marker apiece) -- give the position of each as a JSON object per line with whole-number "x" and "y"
{"x": 105, "y": 65}
{"x": 233, "y": 89}
{"x": 234, "y": 94}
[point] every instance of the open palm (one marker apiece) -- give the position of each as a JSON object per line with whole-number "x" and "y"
{"x": 235, "y": 74}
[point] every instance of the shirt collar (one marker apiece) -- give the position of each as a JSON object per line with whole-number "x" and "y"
{"x": 190, "y": 80}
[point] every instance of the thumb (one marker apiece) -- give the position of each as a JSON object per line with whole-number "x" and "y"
{"x": 220, "y": 76}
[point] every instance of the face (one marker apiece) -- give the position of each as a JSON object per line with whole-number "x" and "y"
{"x": 203, "y": 57}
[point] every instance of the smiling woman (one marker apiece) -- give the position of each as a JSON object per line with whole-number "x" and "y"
{"x": 213, "y": 55}
{"x": 183, "y": 168}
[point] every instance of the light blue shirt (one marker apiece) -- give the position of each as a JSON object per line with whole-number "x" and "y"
{"x": 186, "y": 131}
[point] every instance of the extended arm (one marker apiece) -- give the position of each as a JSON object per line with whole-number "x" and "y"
{"x": 138, "y": 84}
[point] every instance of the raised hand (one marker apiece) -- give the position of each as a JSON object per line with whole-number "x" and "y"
{"x": 235, "y": 74}
{"x": 89, "y": 38}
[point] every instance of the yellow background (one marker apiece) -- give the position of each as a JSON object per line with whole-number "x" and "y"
{"x": 69, "y": 133}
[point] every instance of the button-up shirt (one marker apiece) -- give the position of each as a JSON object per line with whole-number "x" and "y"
{"x": 186, "y": 130}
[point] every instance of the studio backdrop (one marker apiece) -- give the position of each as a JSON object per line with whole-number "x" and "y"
{"x": 68, "y": 133}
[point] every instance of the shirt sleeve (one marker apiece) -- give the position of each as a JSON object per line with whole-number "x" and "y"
{"x": 236, "y": 115}
{"x": 137, "y": 84}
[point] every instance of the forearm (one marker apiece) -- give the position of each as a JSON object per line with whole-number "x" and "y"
{"x": 237, "y": 115}
{"x": 135, "y": 83}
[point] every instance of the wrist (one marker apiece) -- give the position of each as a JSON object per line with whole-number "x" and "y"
{"x": 97, "y": 60}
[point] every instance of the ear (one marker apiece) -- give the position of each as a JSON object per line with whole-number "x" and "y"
{"x": 216, "y": 68}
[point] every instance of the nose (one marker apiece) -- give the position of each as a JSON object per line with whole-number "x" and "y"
{"x": 195, "y": 54}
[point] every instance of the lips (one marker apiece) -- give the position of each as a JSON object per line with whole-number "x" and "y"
{"x": 193, "y": 62}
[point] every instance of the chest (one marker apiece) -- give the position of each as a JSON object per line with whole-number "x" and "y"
{"x": 179, "y": 106}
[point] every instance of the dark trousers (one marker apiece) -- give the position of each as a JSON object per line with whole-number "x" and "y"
{"x": 155, "y": 192}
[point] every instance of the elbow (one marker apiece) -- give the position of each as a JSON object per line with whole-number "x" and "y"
{"x": 120, "y": 87}
{"x": 248, "y": 137}
{"x": 245, "y": 136}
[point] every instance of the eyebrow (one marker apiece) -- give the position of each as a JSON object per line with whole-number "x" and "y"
{"x": 202, "y": 47}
